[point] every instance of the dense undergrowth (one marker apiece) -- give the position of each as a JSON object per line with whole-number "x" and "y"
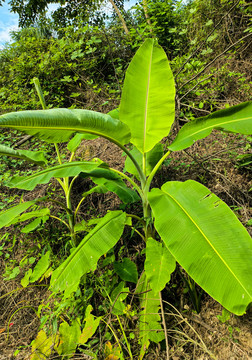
{"x": 208, "y": 44}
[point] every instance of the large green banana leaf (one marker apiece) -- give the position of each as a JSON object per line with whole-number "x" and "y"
{"x": 147, "y": 103}
{"x": 37, "y": 157}
{"x": 84, "y": 258}
{"x": 59, "y": 171}
{"x": 207, "y": 240}
{"x": 57, "y": 125}
{"x": 7, "y": 216}
{"x": 237, "y": 119}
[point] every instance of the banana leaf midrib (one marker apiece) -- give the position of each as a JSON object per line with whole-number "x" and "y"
{"x": 147, "y": 101}
{"x": 209, "y": 243}
{"x": 216, "y": 125}
{"x": 58, "y": 128}
{"x": 62, "y": 166}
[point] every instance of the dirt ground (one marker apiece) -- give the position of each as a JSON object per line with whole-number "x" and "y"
{"x": 215, "y": 163}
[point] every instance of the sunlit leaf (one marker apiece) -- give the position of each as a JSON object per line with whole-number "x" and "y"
{"x": 42, "y": 177}
{"x": 91, "y": 324}
{"x": 57, "y": 125}
{"x": 207, "y": 240}
{"x": 7, "y": 216}
{"x": 147, "y": 104}
{"x": 84, "y": 258}
{"x": 159, "y": 265}
{"x": 236, "y": 119}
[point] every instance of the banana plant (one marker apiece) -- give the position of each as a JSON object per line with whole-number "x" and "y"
{"x": 183, "y": 222}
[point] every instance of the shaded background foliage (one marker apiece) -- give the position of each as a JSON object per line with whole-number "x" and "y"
{"x": 80, "y": 54}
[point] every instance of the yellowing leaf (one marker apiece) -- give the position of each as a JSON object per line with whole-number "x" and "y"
{"x": 110, "y": 352}
{"x": 69, "y": 337}
{"x": 90, "y": 326}
{"x": 41, "y": 346}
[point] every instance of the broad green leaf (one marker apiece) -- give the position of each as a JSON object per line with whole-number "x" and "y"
{"x": 236, "y": 119}
{"x": 159, "y": 265}
{"x": 69, "y": 338}
{"x": 59, "y": 171}
{"x": 117, "y": 296}
{"x": 84, "y": 258}
{"x": 207, "y": 240}
{"x": 127, "y": 270}
{"x": 150, "y": 328}
{"x": 101, "y": 172}
{"x": 7, "y": 216}
{"x": 152, "y": 157}
{"x": 31, "y": 156}
{"x": 147, "y": 104}
{"x": 91, "y": 324}
{"x": 57, "y": 125}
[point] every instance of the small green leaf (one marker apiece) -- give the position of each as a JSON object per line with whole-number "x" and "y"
{"x": 34, "y": 224}
{"x": 84, "y": 258}
{"x": 127, "y": 270}
{"x": 41, "y": 267}
{"x": 26, "y": 279}
{"x": 159, "y": 265}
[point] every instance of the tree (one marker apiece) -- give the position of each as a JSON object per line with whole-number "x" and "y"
{"x": 68, "y": 12}
{"x": 31, "y": 11}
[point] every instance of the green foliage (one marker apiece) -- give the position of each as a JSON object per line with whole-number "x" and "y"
{"x": 182, "y": 221}
{"x": 139, "y": 97}
{"x": 67, "y": 66}
{"x": 209, "y": 249}
{"x": 127, "y": 270}
{"x": 84, "y": 258}
{"x": 159, "y": 265}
